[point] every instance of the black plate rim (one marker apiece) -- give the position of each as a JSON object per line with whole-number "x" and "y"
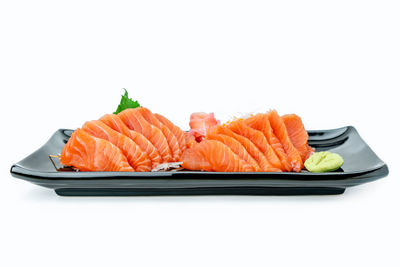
{"x": 18, "y": 170}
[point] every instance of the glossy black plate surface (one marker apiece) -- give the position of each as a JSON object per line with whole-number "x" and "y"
{"x": 361, "y": 165}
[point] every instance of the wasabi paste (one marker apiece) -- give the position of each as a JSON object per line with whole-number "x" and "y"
{"x": 323, "y": 162}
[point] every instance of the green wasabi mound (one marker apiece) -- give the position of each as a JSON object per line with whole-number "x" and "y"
{"x": 323, "y": 162}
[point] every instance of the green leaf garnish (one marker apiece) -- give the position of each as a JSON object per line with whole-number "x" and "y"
{"x": 126, "y": 103}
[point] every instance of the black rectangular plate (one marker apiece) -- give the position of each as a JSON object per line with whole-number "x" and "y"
{"x": 361, "y": 165}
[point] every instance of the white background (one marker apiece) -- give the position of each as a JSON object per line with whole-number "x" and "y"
{"x": 334, "y": 63}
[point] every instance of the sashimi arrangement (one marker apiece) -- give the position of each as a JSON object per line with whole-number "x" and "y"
{"x": 134, "y": 139}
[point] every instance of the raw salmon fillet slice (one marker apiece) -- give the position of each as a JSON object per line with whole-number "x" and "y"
{"x": 258, "y": 138}
{"x": 212, "y": 155}
{"x": 114, "y": 122}
{"x": 260, "y": 122}
{"x": 171, "y": 139}
{"x": 136, "y": 157}
{"x": 89, "y": 153}
{"x": 236, "y": 147}
{"x": 262, "y": 161}
{"x": 136, "y": 122}
{"x": 179, "y": 134}
{"x": 298, "y": 135}
{"x": 281, "y": 133}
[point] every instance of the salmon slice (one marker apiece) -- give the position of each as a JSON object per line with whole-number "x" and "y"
{"x": 298, "y": 135}
{"x": 212, "y": 155}
{"x": 258, "y": 138}
{"x": 262, "y": 161}
{"x": 115, "y": 123}
{"x": 236, "y": 147}
{"x": 171, "y": 139}
{"x": 136, "y": 157}
{"x": 281, "y": 133}
{"x": 179, "y": 134}
{"x": 260, "y": 122}
{"x": 136, "y": 122}
{"x": 89, "y": 153}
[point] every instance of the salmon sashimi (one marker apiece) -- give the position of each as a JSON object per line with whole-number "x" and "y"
{"x": 179, "y": 134}
{"x": 298, "y": 135}
{"x": 114, "y": 122}
{"x": 258, "y": 138}
{"x": 136, "y": 157}
{"x": 212, "y": 155}
{"x": 137, "y": 123}
{"x": 281, "y": 133}
{"x": 250, "y": 147}
{"x": 89, "y": 153}
{"x": 135, "y": 139}
{"x": 171, "y": 139}
{"x": 260, "y": 122}
{"x": 236, "y": 147}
